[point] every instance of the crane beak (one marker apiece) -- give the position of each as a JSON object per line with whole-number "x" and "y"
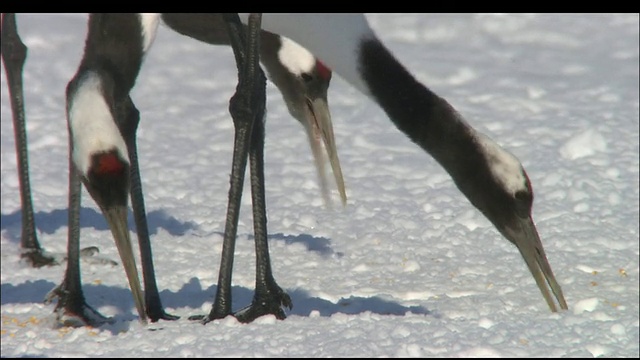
{"x": 524, "y": 235}
{"x": 116, "y": 217}
{"x": 320, "y": 126}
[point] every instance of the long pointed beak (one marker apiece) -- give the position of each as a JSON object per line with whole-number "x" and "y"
{"x": 526, "y": 238}
{"x": 117, "y": 219}
{"x": 320, "y": 126}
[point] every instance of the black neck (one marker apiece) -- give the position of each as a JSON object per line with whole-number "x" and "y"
{"x": 427, "y": 119}
{"x": 114, "y": 49}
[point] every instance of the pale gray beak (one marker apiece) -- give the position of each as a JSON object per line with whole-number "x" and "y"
{"x": 320, "y": 127}
{"x": 117, "y": 219}
{"x": 525, "y": 236}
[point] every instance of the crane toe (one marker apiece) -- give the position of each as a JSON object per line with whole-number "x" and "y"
{"x": 72, "y": 311}
{"x": 266, "y": 303}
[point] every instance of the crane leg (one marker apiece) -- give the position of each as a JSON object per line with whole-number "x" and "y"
{"x": 247, "y": 110}
{"x": 268, "y": 297}
{"x": 14, "y": 54}
{"x": 71, "y": 308}
{"x": 128, "y": 123}
{"x": 14, "y": 57}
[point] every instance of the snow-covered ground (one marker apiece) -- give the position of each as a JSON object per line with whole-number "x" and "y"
{"x": 408, "y": 267}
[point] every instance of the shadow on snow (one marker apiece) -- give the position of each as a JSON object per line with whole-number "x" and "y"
{"x": 193, "y": 296}
{"x": 50, "y": 222}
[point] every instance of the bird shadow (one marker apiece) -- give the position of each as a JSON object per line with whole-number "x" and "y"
{"x": 192, "y": 295}
{"x": 319, "y": 245}
{"x": 52, "y": 221}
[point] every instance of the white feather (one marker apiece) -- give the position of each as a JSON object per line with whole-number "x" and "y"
{"x": 504, "y": 166}
{"x": 93, "y": 128}
{"x": 295, "y": 58}
{"x": 149, "y": 22}
{"x": 333, "y": 38}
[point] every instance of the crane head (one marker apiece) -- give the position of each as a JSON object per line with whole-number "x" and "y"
{"x": 101, "y": 160}
{"x": 304, "y": 82}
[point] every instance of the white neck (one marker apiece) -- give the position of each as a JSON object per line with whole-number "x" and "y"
{"x": 149, "y": 22}
{"x": 92, "y": 125}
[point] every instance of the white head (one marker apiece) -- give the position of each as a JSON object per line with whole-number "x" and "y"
{"x": 504, "y": 166}
{"x": 295, "y": 58}
{"x": 332, "y": 38}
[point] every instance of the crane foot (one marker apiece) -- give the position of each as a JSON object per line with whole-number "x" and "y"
{"x": 271, "y": 302}
{"x": 158, "y": 313}
{"x": 38, "y": 258}
{"x": 72, "y": 310}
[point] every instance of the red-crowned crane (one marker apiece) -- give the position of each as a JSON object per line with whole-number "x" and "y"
{"x": 113, "y": 55}
{"x": 302, "y": 79}
{"x": 491, "y": 178}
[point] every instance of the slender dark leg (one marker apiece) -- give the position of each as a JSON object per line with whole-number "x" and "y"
{"x": 14, "y": 54}
{"x": 72, "y": 309}
{"x": 269, "y": 298}
{"x": 130, "y": 118}
{"x": 247, "y": 109}
{"x": 243, "y": 122}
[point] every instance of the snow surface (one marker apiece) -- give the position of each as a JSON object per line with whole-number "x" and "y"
{"x": 408, "y": 267}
